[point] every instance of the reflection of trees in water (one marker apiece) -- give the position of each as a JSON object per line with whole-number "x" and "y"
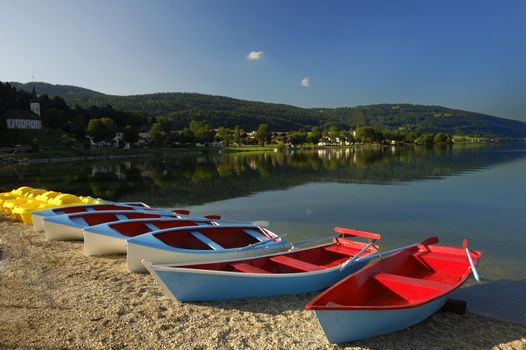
{"x": 212, "y": 177}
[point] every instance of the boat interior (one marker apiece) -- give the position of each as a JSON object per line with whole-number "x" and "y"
{"x": 135, "y": 228}
{"x": 87, "y": 208}
{"x": 408, "y": 278}
{"x": 92, "y": 219}
{"x": 306, "y": 260}
{"x": 214, "y": 237}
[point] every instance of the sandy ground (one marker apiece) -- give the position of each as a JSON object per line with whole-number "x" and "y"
{"x": 53, "y": 297}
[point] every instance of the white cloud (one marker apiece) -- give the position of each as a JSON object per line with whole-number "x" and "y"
{"x": 305, "y": 82}
{"x": 255, "y": 55}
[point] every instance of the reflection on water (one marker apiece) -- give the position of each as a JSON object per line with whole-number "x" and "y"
{"x": 193, "y": 180}
{"x": 406, "y": 194}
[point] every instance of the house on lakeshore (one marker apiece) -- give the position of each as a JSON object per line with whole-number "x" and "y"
{"x": 25, "y": 119}
{"x": 115, "y": 142}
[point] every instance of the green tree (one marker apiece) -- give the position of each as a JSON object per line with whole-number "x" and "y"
{"x": 204, "y": 135}
{"x": 78, "y": 125}
{"x": 67, "y": 141}
{"x": 54, "y": 118}
{"x": 409, "y": 136}
{"x": 156, "y": 133}
{"x": 263, "y": 134}
{"x": 344, "y": 136}
{"x": 202, "y": 131}
{"x": 426, "y": 139}
{"x": 442, "y": 138}
{"x": 165, "y": 124}
{"x": 333, "y": 133}
{"x": 298, "y": 137}
{"x": 225, "y": 135}
{"x": 238, "y": 135}
{"x": 130, "y": 134}
{"x": 198, "y": 124}
{"x": 101, "y": 129}
{"x": 186, "y": 136}
{"x": 110, "y": 127}
{"x": 314, "y": 135}
{"x": 367, "y": 134}
{"x": 34, "y": 144}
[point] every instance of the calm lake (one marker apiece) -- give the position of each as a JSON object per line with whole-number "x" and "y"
{"x": 406, "y": 194}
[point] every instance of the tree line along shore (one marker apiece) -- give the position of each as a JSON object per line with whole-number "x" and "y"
{"x": 78, "y": 129}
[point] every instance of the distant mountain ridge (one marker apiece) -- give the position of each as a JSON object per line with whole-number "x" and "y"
{"x": 229, "y": 112}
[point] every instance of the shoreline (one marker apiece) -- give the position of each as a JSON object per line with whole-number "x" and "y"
{"x": 105, "y": 154}
{"x": 101, "y": 154}
{"x": 52, "y": 296}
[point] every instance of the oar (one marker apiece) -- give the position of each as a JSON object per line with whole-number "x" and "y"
{"x": 260, "y": 223}
{"x": 310, "y": 241}
{"x": 262, "y": 242}
{"x": 426, "y": 242}
{"x": 473, "y": 269}
{"x": 353, "y": 259}
{"x": 213, "y": 217}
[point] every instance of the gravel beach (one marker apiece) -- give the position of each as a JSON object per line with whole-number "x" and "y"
{"x": 54, "y": 297}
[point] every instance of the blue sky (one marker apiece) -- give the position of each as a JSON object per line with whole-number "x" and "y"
{"x": 463, "y": 54}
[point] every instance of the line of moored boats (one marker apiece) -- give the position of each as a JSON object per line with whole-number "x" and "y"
{"x": 366, "y": 292}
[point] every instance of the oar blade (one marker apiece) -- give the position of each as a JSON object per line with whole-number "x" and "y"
{"x": 470, "y": 259}
{"x": 213, "y": 217}
{"x": 429, "y": 241}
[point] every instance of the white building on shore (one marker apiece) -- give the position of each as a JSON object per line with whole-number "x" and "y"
{"x": 24, "y": 119}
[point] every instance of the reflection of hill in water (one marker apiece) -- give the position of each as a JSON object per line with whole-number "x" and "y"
{"x": 213, "y": 177}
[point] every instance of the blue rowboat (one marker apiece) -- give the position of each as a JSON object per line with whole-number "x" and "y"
{"x": 292, "y": 272}
{"x": 392, "y": 294}
{"x": 39, "y": 215}
{"x": 110, "y": 238}
{"x": 203, "y": 243}
{"x": 70, "y": 226}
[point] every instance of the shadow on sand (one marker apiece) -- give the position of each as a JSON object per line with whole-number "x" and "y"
{"x": 503, "y": 300}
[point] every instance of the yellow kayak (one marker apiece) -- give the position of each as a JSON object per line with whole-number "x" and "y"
{"x": 9, "y": 204}
{"x": 23, "y": 201}
{"x": 14, "y": 194}
{"x": 23, "y": 211}
{"x": 38, "y": 203}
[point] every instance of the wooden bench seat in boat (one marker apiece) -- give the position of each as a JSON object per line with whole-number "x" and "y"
{"x": 443, "y": 257}
{"x": 412, "y": 289}
{"x": 443, "y": 265}
{"x": 341, "y": 250}
{"x": 152, "y": 227}
{"x": 296, "y": 264}
{"x": 244, "y": 267}
{"x": 256, "y": 235}
{"x": 206, "y": 240}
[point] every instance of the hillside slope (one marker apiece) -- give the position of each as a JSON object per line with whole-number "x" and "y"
{"x": 229, "y": 112}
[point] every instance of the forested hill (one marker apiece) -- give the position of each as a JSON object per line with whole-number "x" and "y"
{"x": 229, "y": 112}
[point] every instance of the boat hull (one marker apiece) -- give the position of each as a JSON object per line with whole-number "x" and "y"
{"x": 97, "y": 244}
{"x": 343, "y": 326}
{"x": 56, "y": 231}
{"x": 138, "y": 252}
{"x": 38, "y": 222}
{"x": 205, "y": 285}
